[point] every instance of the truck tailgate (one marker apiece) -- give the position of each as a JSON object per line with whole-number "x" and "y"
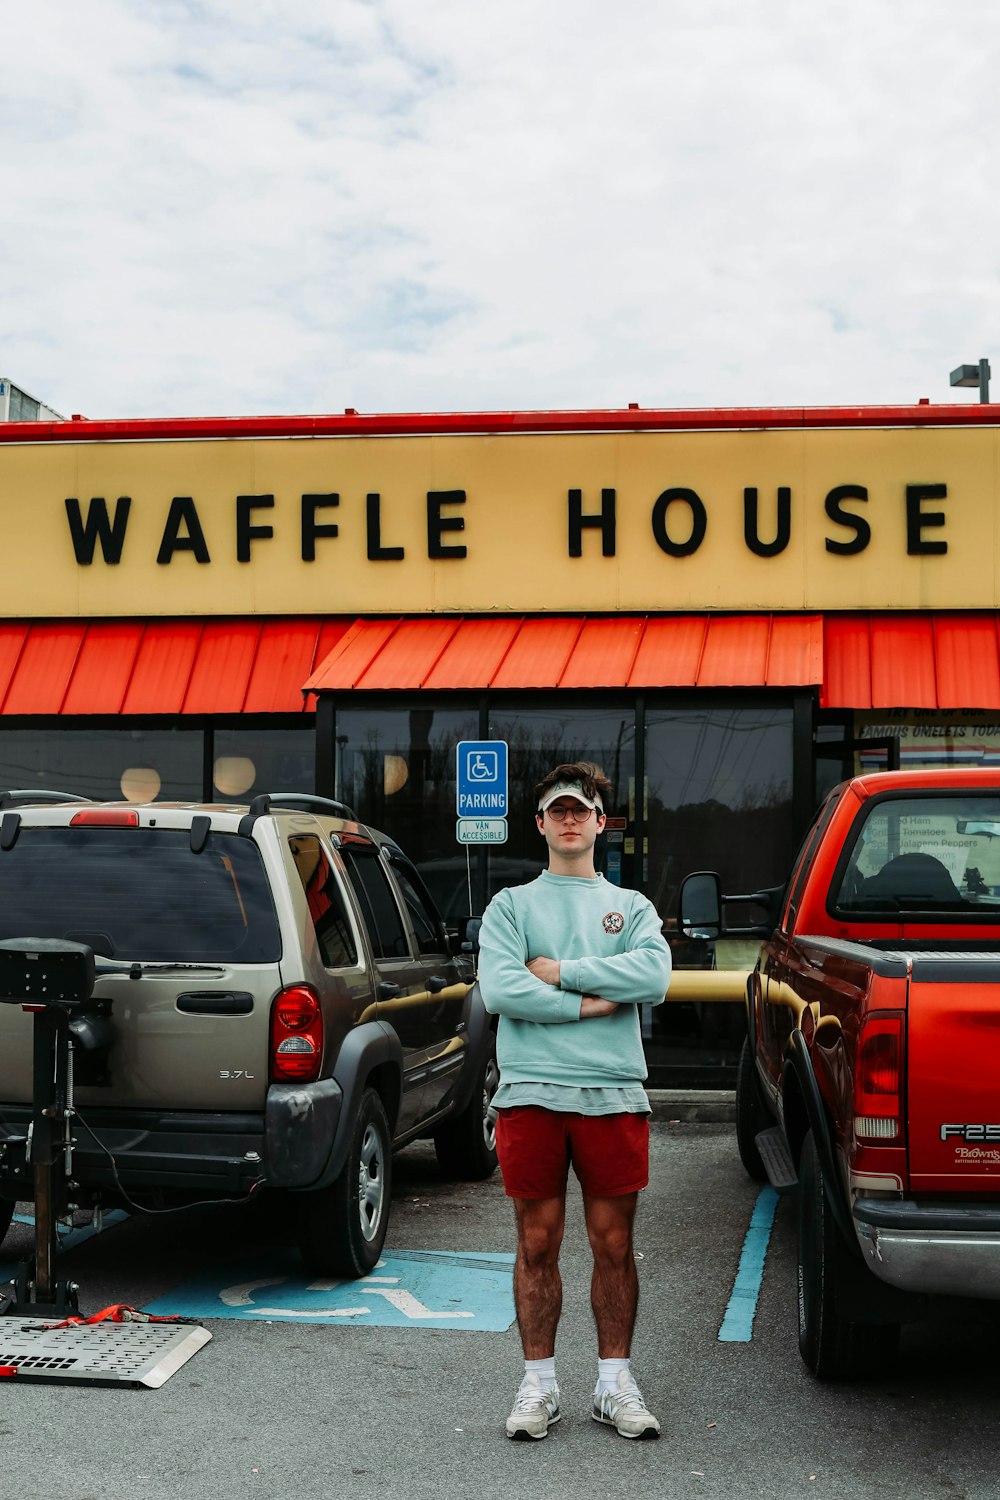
{"x": 953, "y": 1062}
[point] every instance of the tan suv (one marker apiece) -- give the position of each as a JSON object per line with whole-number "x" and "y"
{"x": 277, "y": 1004}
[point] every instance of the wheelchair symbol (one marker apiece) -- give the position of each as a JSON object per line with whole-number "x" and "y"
{"x": 481, "y": 765}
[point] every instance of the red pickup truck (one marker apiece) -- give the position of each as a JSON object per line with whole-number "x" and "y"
{"x": 871, "y": 1070}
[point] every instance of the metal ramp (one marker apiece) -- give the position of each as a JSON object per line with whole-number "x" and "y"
{"x": 131, "y": 1354}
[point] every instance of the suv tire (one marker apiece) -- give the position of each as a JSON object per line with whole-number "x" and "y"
{"x": 465, "y": 1144}
{"x": 833, "y": 1347}
{"x": 750, "y": 1116}
{"x": 342, "y": 1228}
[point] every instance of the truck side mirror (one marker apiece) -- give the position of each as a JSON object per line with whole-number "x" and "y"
{"x": 468, "y": 934}
{"x": 701, "y": 905}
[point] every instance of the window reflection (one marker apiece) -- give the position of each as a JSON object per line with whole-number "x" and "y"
{"x": 719, "y": 797}
{"x": 540, "y": 738}
{"x": 396, "y": 769}
{"x": 247, "y": 761}
{"x": 105, "y": 764}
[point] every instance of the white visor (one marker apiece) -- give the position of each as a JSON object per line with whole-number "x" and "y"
{"x": 569, "y": 789}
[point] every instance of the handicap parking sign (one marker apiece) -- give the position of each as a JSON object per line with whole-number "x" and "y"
{"x": 481, "y": 777}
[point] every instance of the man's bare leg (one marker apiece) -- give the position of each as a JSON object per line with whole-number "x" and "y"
{"x": 537, "y": 1283}
{"x": 614, "y": 1297}
{"x": 614, "y": 1287}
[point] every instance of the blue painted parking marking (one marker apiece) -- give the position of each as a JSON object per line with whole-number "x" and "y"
{"x": 737, "y": 1324}
{"x": 406, "y": 1289}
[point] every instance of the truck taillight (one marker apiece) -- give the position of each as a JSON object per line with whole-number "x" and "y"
{"x": 296, "y": 1035}
{"x": 878, "y": 1080}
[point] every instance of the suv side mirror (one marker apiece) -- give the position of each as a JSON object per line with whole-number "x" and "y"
{"x": 701, "y": 905}
{"x": 468, "y": 934}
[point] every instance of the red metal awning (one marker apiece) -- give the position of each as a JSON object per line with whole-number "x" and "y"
{"x": 569, "y": 651}
{"x": 162, "y": 667}
{"x": 249, "y": 666}
{"x": 920, "y": 660}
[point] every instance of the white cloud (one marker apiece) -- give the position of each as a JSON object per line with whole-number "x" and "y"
{"x": 420, "y": 204}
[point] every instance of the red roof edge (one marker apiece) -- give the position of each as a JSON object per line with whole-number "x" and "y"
{"x": 417, "y": 424}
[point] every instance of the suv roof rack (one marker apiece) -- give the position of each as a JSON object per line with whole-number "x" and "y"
{"x": 11, "y": 798}
{"x": 264, "y": 802}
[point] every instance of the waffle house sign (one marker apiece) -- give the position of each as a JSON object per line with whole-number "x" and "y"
{"x": 514, "y": 521}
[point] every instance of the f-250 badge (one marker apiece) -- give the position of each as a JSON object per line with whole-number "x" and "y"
{"x": 970, "y": 1132}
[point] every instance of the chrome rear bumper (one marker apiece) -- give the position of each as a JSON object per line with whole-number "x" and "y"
{"x": 933, "y": 1248}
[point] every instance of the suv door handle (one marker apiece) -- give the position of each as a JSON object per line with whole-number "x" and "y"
{"x": 387, "y": 990}
{"x": 435, "y": 983}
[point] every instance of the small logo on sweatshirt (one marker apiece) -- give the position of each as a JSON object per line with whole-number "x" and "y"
{"x": 613, "y": 923}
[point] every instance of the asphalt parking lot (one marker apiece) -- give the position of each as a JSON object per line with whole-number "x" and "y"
{"x": 402, "y": 1405}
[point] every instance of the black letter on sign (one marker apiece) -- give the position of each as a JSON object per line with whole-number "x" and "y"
{"x": 376, "y": 552}
{"x": 605, "y": 521}
{"x": 751, "y": 531}
{"x": 836, "y": 512}
{"x": 310, "y": 531}
{"x": 917, "y": 519}
{"x": 699, "y": 522}
{"x": 437, "y": 524}
{"x": 183, "y": 512}
{"x": 98, "y": 528}
{"x": 245, "y": 532}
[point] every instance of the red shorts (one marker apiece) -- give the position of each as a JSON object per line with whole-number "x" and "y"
{"x": 610, "y": 1153}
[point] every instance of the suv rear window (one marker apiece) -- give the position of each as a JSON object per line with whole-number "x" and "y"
{"x": 140, "y": 893}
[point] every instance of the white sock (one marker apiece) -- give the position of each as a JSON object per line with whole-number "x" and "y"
{"x": 545, "y": 1369}
{"x": 608, "y": 1371}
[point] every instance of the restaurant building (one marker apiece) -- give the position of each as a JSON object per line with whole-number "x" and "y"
{"x": 730, "y": 610}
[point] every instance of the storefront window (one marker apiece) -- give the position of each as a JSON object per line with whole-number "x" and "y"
{"x": 396, "y": 768}
{"x": 930, "y": 737}
{"x": 540, "y": 738}
{"x": 719, "y": 797}
{"x": 248, "y": 761}
{"x": 137, "y": 764}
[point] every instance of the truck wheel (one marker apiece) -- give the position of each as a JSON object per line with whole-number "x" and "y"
{"x": 750, "y": 1116}
{"x": 341, "y": 1228}
{"x": 466, "y": 1144}
{"x": 833, "y": 1347}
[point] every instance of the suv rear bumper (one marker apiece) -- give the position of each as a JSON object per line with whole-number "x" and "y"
{"x": 214, "y": 1154}
{"x": 931, "y": 1247}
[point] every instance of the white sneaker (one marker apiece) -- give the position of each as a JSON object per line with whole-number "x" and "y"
{"x": 624, "y": 1409}
{"x": 535, "y": 1409}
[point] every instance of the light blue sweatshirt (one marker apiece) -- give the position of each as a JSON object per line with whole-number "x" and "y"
{"x": 609, "y": 942}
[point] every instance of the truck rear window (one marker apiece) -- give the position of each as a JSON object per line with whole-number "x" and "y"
{"x": 924, "y": 855}
{"x": 140, "y": 893}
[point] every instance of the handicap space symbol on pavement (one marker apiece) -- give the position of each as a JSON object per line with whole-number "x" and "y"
{"x": 409, "y": 1288}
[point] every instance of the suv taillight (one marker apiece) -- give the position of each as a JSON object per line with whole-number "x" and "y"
{"x": 296, "y": 1035}
{"x": 878, "y": 1080}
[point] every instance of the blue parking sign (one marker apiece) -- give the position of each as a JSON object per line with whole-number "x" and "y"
{"x": 482, "y": 779}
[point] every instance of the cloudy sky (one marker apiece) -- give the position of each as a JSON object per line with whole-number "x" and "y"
{"x": 242, "y": 206}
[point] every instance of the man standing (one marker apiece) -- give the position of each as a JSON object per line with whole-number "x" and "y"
{"x": 565, "y": 962}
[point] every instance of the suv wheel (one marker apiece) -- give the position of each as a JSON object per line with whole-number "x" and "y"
{"x": 832, "y": 1346}
{"x": 750, "y": 1116}
{"x": 341, "y": 1229}
{"x": 466, "y": 1144}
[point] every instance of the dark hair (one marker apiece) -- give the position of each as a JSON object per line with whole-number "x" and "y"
{"x": 590, "y": 778}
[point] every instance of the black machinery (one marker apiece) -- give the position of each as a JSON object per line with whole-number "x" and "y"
{"x": 54, "y": 980}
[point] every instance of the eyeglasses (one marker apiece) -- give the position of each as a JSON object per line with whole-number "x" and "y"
{"x": 575, "y": 810}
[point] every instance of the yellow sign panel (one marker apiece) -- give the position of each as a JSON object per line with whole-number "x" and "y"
{"x": 641, "y": 521}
